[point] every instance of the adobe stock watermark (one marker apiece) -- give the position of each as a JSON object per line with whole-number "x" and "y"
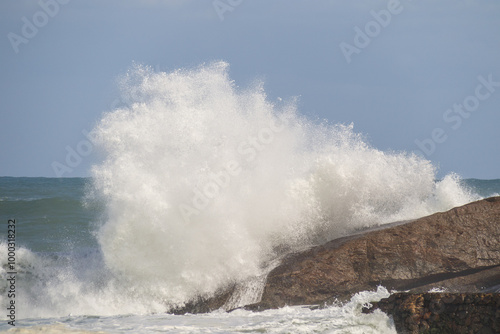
{"x": 248, "y": 150}
{"x": 48, "y": 9}
{"x": 223, "y": 6}
{"x": 373, "y": 28}
{"x": 456, "y": 114}
{"x": 11, "y": 271}
{"x": 74, "y": 156}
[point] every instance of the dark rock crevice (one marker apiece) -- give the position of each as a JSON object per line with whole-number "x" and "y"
{"x": 425, "y": 281}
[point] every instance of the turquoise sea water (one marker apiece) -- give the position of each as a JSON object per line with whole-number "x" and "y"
{"x": 64, "y": 284}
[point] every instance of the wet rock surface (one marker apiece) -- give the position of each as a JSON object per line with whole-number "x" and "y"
{"x": 442, "y": 312}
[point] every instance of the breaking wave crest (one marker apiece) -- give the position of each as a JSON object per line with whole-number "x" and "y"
{"x": 206, "y": 184}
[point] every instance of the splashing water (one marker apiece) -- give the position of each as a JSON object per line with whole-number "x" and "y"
{"x": 206, "y": 182}
{"x": 206, "y": 185}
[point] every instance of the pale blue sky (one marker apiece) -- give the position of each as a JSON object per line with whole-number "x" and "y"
{"x": 395, "y": 90}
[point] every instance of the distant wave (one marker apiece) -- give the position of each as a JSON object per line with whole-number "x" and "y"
{"x": 48, "y": 204}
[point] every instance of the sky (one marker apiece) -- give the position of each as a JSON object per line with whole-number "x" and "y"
{"x": 419, "y": 76}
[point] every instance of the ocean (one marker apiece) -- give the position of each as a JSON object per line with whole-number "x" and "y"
{"x": 199, "y": 185}
{"x": 63, "y": 283}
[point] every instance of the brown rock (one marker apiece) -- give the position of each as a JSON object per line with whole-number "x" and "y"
{"x": 438, "y": 312}
{"x": 205, "y": 305}
{"x": 458, "y": 249}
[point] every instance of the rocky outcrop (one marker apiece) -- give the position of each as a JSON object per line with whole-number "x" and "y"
{"x": 458, "y": 249}
{"x": 442, "y": 312}
{"x": 205, "y": 304}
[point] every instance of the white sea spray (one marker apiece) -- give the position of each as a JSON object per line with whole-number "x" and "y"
{"x": 206, "y": 185}
{"x": 206, "y": 182}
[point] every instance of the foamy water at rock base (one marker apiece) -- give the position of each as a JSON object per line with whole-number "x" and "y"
{"x": 203, "y": 185}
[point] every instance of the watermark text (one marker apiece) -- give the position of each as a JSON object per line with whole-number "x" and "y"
{"x": 11, "y": 273}
{"x": 458, "y": 112}
{"x": 48, "y": 9}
